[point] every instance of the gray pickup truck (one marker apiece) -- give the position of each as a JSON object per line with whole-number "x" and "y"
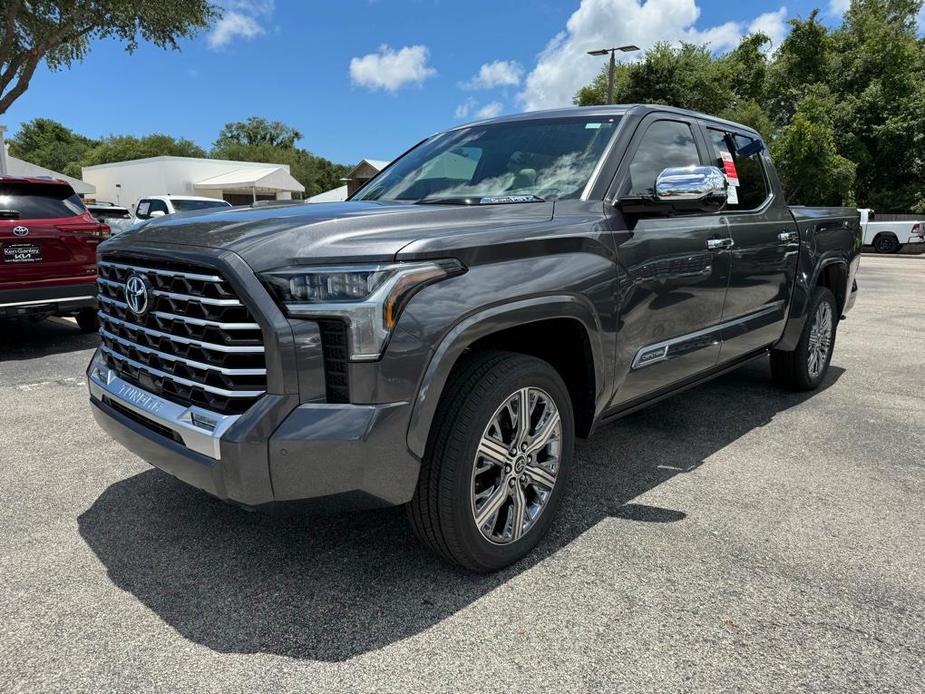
{"x": 441, "y": 339}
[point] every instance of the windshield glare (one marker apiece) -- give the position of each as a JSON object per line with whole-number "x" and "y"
{"x": 535, "y": 159}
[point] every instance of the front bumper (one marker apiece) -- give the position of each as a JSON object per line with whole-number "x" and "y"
{"x": 337, "y": 456}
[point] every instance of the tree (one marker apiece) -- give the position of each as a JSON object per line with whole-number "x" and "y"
{"x": 48, "y": 143}
{"x": 125, "y": 147}
{"x": 258, "y": 139}
{"x": 257, "y": 131}
{"x": 812, "y": 170}
{"x": 60, "y": 32}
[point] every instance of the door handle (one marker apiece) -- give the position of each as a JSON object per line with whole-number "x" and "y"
{"x": 719, "y": 244}
{"x": 788, "y": 236}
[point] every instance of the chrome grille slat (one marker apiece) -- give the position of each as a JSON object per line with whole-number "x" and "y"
{"x": 197, "y": 344}
{"x": 174, "y": 357}
{"x": 184, "y": 381}
{"x": 165, "y": 272}
{"x": 203, "y": 321}
{"x": 182, "y": 340}
{"x": 178, "y": 295}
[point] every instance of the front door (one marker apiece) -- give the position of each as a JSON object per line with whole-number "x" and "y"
{"x": 672, "y": 283}
{"x": 765, "y": 250}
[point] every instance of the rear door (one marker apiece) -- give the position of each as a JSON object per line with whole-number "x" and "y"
{"x": 46, "y": 235}
{"x": 766, "y": 246}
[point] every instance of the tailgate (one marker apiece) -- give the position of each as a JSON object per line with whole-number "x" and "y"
{"x": 46, "y": 251}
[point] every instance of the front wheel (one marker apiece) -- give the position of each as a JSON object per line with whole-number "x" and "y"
{"x": 805, "y": 367}
{"x": 496, "y": 462}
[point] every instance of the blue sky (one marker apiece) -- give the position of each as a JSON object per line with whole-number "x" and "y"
{"x": 368, "y": 78}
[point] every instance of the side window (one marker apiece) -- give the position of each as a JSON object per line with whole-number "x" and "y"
{"x": 143, "y": 211}
{"x": 666, "y": 144}
{"x": 158, "y": 206}
{"x": 752, "y": 190}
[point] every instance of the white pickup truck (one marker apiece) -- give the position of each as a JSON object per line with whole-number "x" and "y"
{"x": 889, "y": 237}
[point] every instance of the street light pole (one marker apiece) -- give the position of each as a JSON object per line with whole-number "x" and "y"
{"x": 613, "y": 64}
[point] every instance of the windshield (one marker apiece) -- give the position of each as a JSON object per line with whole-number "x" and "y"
{"x": 518, "y": 161}
{"x": 188, "y": 205}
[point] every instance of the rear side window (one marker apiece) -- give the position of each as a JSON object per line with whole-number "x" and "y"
{"x": 665, "y": 145}
{"x": 752, "y": 190}
{"x": 38, "y": 201}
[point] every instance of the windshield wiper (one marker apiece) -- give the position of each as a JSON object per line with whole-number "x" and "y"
{"x": 484, "y": 200}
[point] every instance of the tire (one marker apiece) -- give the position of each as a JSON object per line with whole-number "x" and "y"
{"x": 483, "y": 394}
{"x": 796, "y": 370}
{"x": 886, "y": 243}
{"x": 87, "y": 320}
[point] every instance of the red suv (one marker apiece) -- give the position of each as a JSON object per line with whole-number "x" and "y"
{"x": 48, "y": 243}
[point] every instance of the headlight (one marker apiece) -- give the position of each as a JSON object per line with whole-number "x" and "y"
{"x": 369, "y": 298}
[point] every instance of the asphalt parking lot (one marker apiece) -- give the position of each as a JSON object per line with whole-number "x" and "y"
{"x": 733, "y": 538}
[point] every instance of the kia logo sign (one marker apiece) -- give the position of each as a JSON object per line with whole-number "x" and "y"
{"x": 21, "y": 231}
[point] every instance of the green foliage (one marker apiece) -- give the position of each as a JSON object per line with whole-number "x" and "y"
{"x": 257, "y": 131}
{"x": 317, "y": 174}
{"x": 60, "y": 32}
{"x": 842, "y": 109}
{"x": 124, "y": 147}
{"x": 48, "y": 143}
{"x": 812, "y": 171}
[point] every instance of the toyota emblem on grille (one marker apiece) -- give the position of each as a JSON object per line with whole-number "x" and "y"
{"x": 136, "y": 294}
{"x": 21, "y": 231}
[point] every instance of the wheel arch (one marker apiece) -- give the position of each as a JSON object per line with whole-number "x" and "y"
{"x": 573, "y": 323}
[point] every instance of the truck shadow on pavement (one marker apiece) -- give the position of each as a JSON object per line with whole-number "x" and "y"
{"x": 333, "y": 587}
{"x": 22, "y": 339}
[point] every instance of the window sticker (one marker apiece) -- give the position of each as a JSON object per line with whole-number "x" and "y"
{"x": 592, "y": 126}
{"x": 732, "y": 195}
{"x": 143, "y": 207}
{"x": 729, "y": 168}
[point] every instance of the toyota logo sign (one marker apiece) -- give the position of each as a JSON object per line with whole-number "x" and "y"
{"x": 136, "y": 294}
{"x": 21, "y": 231}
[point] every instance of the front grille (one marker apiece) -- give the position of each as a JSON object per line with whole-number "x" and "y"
{"x": 334, "y": 347}
{"x": 197, "y": 344}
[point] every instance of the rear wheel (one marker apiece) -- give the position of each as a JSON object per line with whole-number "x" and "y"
{"x": 886, "y": 243}
{"x": 87, "y": 320}
{"x": 805, "y": 367}
{"x": 496, "y": 462}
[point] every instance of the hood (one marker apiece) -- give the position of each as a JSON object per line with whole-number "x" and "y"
{"x": 272, "y": 236}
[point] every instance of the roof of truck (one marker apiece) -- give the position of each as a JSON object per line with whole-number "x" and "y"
{"x": 613, "y": 110}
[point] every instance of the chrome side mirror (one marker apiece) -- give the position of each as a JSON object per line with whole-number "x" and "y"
{"x": 692, "y": 184}
{"x": 158, "y": 213}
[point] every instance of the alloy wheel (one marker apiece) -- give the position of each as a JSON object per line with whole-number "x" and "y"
{"x": 820, "y": 340}
{"x": 516, "y": 465}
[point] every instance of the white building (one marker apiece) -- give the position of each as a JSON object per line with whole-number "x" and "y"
{"x": 14, "y": 166}
{"x": 238, "y": 182}
{"x": 353, "y": 181}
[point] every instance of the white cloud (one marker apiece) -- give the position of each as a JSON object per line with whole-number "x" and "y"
{"x": 839, "y": 7}
{"x": 500, "y": 73}
{"x": 240, "y": 19}
{"x": 465, "y": 108}
{"x": 564, "y": 66}
{"x": 773, "y": 25}
{"x": 390, "y": 70}
{"x": 490, "y": 110}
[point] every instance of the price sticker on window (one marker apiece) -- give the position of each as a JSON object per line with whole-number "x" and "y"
{"x": 729, "y": 168}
